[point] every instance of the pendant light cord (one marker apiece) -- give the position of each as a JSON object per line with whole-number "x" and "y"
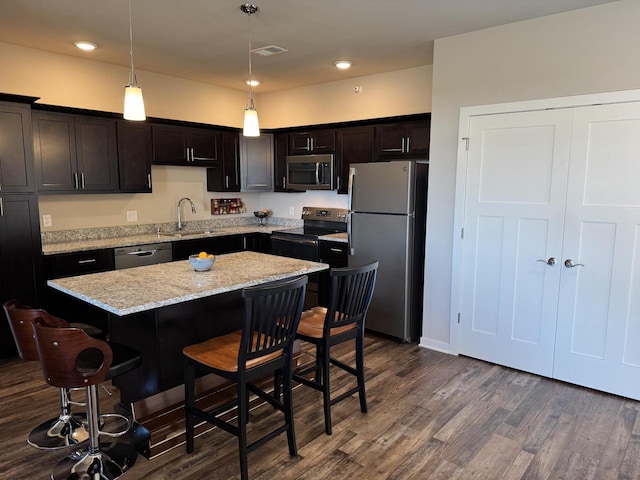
{"x": 132, "y": 75}
{"x": 250, "y": 75}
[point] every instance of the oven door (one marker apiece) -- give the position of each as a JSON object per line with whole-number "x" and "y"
{"x": 303, "y": 249}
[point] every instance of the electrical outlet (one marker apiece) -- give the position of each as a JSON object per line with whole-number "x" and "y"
{"x": 292, "y": 211}
{"x": 46, "y": 221}
{"x": 132, "y": 215}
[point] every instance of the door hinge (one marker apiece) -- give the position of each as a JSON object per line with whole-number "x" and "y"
{"x": 466, "y": 142}
{"x": 458, "y": 318}
{"x": 462, "y": 233}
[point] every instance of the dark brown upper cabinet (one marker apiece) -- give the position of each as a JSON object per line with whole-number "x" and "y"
{"x": 176, "y": 145}
{"x": 75, "y": 154}
{"x": 16, "y": 149}
{"x": 313, "y": 141}
{"x": 402, "y": 140}
{"x": 134, "y": 156}
{"x": 355, "y": 145}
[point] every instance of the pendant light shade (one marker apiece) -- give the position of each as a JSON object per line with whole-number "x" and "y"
{"x": 133, "y": 101}
{"x": 251, "y": 124}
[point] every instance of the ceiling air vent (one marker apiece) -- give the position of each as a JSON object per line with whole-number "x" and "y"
{"x": 269, "y": 50}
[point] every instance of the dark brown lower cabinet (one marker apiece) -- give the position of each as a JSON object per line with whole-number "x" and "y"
{"x": 20, "y": 264}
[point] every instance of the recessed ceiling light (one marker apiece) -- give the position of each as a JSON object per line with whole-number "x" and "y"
{"x": 87, "y": 46}
{"x": 343, "y": 64}
{"x": 253, "y": 83}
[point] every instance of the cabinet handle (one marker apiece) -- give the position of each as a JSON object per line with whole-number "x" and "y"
{"x": 1, "y": 208}
{"x": 284, "y": 183}
{"x": 188, "y": 154}
{"x": 403, "y": 150}
{"x": 407, "y": 151}
{"x": 312, "y": 144}
{"x": 337, "y": 250}
{"x": 75, "y": 180}
{"x": 88, "y": 260}
{"x": 337, "y": 183}
{"x": 149, "y": 180}
{"x": 236, "y": 162}
{"x": 226, "y": 181}
{"x": 82, "y": 181}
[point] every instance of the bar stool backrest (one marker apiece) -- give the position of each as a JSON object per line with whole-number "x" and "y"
{"x": 271, "y": 317}
{"x": 21, "y": 318}
{"x": 350, "y": 295}
{"x": 69, "y": 357}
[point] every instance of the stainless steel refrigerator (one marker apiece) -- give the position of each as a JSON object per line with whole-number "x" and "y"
{"x": 387, "y": 222}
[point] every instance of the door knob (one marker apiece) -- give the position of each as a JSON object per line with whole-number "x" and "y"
{"x": 569, "y": 264}
{"x": 552, "y": 261}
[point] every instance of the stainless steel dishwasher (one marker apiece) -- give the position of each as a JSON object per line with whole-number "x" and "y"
{"x": 140, "y": 255}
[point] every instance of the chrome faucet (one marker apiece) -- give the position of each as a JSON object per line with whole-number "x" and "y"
{"x": 193, "y": 210}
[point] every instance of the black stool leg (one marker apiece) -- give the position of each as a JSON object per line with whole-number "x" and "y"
{"x": 288, "y": 410}
{"x": 360, "y": 372}
{"x": 326, "y": 388}
{"x": 243, "y": 406}
{"x": 189, "y": 401}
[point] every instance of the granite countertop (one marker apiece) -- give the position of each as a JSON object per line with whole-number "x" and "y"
{"x": 342, "y": 237}
{"x": 145, "y": 239}
{"x": 138, "y": 289}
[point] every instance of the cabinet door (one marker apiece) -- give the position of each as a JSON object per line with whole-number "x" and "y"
{"x": 256, "y": 155}
{"x": 403, "y": 139}
{"x": 55, "y": 151}
{"x": 323, "y": 141}
{"x": 418, "y": 136}
{"x": 16, "y": 149}
{"x": 355, "y": 145}
{"x": 280, "y": 162}
{"x": 169, "y": 145}
{"x": 97, "y": 154}
{"x": 203, "y": 145}
{"x": 134, "y": 156}
{"x": 230, "y": 162}
{"x": 20, "y": 266}
{"x": 314, "y": 141}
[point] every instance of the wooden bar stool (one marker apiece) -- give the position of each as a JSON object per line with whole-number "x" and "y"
{"x": 67, "y": 429}
{"x": 72, "y": 359}
{"x": 263, "y": 347}
{"x": 349, "y": 298}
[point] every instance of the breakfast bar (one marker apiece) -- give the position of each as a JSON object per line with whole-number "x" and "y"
{"x": 159, "y": 309}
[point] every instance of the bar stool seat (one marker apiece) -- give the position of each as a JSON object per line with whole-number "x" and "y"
{"x": 72, "y": 359}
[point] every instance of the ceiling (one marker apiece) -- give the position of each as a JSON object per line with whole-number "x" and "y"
{"x": 207, "y": 40}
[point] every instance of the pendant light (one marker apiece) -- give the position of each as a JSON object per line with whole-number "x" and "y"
{"x": 251, "y": 125}
{"x": 133, "y": 102}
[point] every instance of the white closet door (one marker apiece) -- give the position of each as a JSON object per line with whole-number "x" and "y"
{"x": 598, "y": 334}
{"x": 514, "y": 214}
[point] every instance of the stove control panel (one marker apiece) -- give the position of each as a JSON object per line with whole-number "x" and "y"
{"x": 327, "y": 214}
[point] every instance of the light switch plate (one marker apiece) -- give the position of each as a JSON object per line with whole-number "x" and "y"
{"x": 46, "y": 221}
{"x": 132, "y": 215}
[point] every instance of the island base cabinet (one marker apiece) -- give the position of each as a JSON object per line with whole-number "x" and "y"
{"x": 161, "y": 334}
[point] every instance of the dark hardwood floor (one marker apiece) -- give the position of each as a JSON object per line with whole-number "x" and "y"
{"x": 431, "y": 416}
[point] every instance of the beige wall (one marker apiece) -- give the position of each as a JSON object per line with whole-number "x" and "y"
{"x": 75, "y": 82}
{"x": 586, "y": 51}
{"x": 389, "y": 94}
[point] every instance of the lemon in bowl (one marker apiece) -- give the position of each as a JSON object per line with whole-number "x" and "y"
{"x": 202, "y": 261}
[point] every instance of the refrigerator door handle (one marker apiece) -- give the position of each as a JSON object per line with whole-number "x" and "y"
{"x": 352, "y": 173}
{"x": 349, "y": 235}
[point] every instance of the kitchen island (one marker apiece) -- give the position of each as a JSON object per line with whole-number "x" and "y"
{"x": 159, "y": 309}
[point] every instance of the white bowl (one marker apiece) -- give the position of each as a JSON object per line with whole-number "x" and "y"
{"x": 201, "y": 264}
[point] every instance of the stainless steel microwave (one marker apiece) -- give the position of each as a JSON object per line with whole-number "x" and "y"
{"x": 310, "y": 172}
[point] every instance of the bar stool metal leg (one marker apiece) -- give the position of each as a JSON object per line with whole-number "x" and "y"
{"x": 62, "y": 432}
{"x": 99, "y": 461}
